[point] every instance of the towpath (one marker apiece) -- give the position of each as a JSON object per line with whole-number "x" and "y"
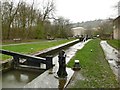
{"x": 113, "y": 58}
{"x": 28, "y": 43}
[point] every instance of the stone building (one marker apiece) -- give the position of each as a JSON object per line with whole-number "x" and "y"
{"x": 78, "y": 31}
{"x": 116, "y": 31}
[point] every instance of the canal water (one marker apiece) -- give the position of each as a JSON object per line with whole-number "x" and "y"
{"x": 17, "y": 78}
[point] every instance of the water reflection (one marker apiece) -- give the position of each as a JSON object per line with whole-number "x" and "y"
{"x": 17, "y": 78}
{"x": 62, "y": 82}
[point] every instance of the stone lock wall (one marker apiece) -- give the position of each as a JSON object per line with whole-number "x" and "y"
{"x": 6, "y": 65}
{"x": 116, "y": 34}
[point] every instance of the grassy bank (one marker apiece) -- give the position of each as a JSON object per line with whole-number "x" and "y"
{"x": 32, "y": 48}
{"x": 95, "y": 68}
{"x": 114, "y": 43}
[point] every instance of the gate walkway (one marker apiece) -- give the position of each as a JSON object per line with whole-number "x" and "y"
{"x": 28, "y": 61}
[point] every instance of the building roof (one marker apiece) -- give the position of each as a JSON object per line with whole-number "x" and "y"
{"x": 78, "y": 28}
{"x": 116, "y": 19}
{"x": 117, "y": 22}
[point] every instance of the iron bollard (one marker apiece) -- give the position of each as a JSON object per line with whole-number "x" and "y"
{"x": 76, "y": 65}
{"x": 62, "y": 65}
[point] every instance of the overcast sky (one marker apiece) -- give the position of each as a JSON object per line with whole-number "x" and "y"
{"x": 84, "y": 10}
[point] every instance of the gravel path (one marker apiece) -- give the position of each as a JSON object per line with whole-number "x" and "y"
{"x": 27, "y": 43}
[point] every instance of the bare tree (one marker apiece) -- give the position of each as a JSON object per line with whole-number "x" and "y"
{"x": 62, "y": 27}
{"x": 48, "y": 9}
{"x": 44, "y": 13}
{"x": 0, "y": 25}
{"x": 25, "y": 21}
{"x": 8, "y": 15}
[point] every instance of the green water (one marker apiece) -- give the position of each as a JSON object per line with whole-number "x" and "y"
{"x": 18, "y": 78}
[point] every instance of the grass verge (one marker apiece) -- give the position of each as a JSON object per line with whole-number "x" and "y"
{"x": 95, "y": 67}
{"x": 114, "y": 43}
{"x": 32, "y": 48}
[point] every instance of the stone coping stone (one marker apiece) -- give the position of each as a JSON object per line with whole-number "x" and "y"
{"x": 55, "y": 47}
{"x": 47, "y": 80}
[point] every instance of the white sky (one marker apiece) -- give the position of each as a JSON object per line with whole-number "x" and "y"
{"x": 83, "y": 10}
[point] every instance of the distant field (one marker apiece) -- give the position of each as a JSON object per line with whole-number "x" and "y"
{"x": 33, "y": 47}
{"x": 114, "y": 43}
{"x": 95, "y": 68}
